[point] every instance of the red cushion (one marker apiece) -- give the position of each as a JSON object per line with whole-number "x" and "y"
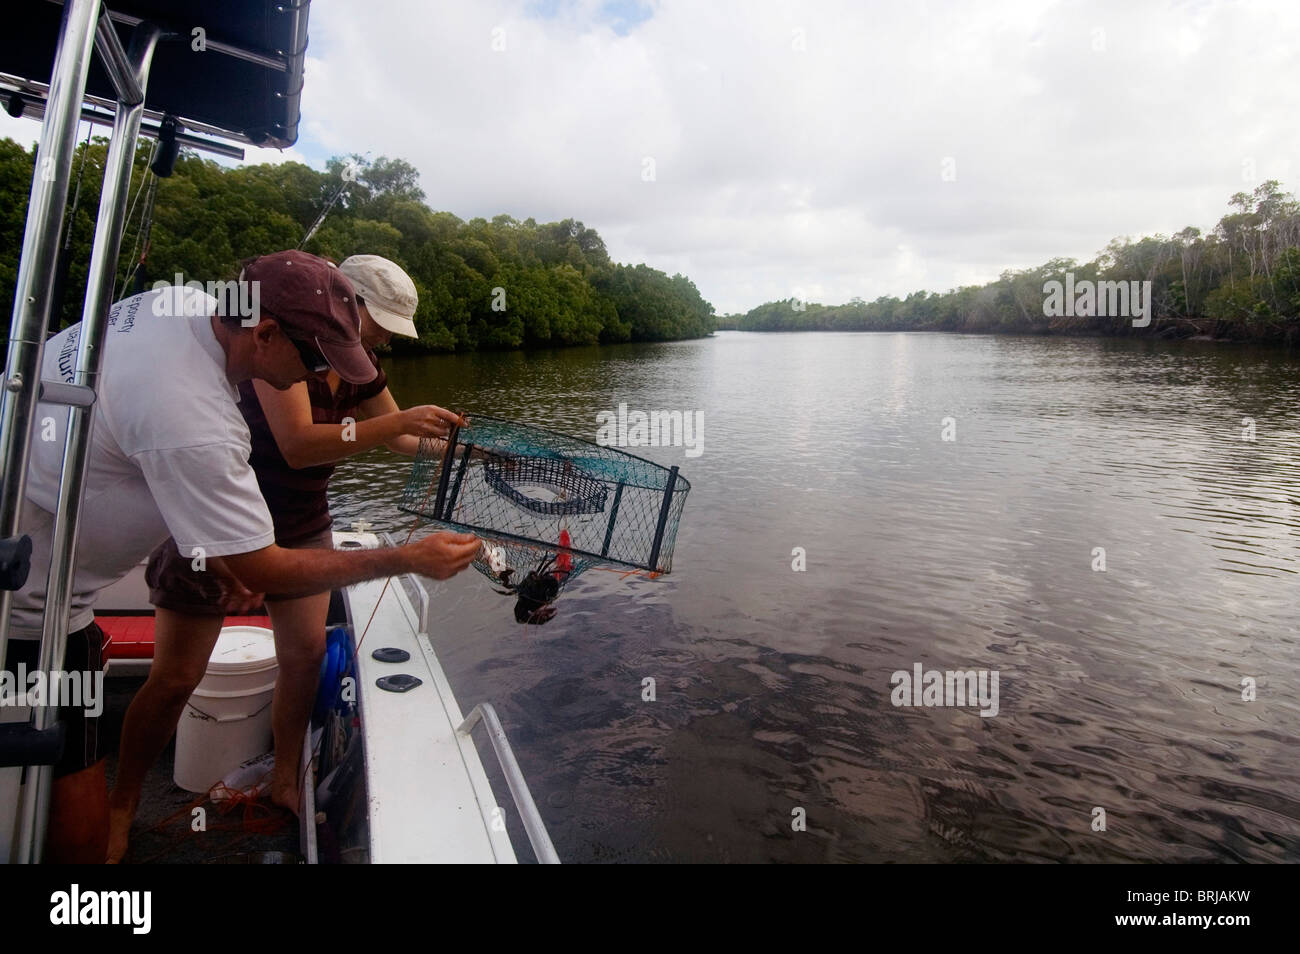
{"x": 131, "y": 637}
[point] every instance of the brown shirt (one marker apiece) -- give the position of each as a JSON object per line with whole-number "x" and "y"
{"x": 296, "y": 498}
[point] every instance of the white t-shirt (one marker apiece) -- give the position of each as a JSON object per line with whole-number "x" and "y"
{"x": 169, "y": 454}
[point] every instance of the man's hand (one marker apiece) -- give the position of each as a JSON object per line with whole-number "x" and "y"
{"x": 237, "y": 599}
{"x": 444, "y": 554}
{"x": 429, "y": 420}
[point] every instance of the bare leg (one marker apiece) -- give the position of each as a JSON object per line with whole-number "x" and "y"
{"x": 78, "y": 826}
{"x": 182, "y": 645}
{"x": 299, "y": 648}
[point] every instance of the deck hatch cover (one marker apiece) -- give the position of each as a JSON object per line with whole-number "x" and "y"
{"x": 400, "y": 682}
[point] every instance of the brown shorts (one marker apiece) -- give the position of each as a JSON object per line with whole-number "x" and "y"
{"x": 86, "y": 653}
{"x": 175, "y": 585}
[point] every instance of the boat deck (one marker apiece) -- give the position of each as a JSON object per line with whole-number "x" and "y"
{"x": 419, "y": 785}
{"x": 163, "y": 833}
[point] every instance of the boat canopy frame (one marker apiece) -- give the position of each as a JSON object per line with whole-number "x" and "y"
{"x": 229, "y": 69}
{"x": 247, "y": 90}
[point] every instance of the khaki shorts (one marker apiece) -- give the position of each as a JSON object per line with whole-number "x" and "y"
{"x": 175, "y": 585}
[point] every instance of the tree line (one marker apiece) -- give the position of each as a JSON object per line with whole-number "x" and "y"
{"x": 498, "y": 284}
{"x": 1240, "y": 281}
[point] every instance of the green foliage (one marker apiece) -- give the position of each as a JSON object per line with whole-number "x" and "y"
{"x": 15, "y": 183}
{"x": 497, "y": 284}
{"x": 1241, "y": 281}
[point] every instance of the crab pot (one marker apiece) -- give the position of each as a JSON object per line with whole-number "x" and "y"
{"x": 535, "y": 495}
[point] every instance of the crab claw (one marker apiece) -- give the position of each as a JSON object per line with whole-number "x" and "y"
{"x": 527, "y": 611}
{"x": 543, "y": 615}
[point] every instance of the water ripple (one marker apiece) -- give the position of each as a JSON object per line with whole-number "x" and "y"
{"x": 1120, "y": 689}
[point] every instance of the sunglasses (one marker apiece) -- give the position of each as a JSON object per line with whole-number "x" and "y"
{"x": 312, "y": 359}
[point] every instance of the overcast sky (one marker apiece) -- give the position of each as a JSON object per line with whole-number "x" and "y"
{"x": 819, "y": 149}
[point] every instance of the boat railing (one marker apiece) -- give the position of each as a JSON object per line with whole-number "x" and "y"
{"x": 532, "y": 820}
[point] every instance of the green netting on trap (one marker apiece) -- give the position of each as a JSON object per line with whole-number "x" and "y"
{"x": 547, "y": 502}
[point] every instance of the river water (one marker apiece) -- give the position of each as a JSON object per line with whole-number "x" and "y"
{"x": 773, "y": 733}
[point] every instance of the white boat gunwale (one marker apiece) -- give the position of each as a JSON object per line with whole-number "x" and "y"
{"x": 398, "y": 623}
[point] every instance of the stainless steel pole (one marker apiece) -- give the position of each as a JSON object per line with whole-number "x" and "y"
{"x": 76, "y": 454}
{"x": 117, "y": 64}
{"x": 34, "y": 290}
{"x": 535, "y": 828}
{"x": 35, "y": 286}
{"x": 35, "y": 109}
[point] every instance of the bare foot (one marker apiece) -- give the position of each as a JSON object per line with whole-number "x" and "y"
{"x": 119, "y": 832}
{"x": 288, "y": 800}
{"x": 284, "y": 788}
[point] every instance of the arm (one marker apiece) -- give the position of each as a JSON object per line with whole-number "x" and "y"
{"x": 209, "y": 498}
{"x": 381, "y": 405}
{"x": 236, "y": 598}
{"x": 305, "y": 443}
{"x": 293, "y": 573}
{"x": 409, "y": 444}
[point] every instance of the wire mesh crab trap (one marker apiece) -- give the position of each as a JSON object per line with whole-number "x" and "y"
{"x": 548, "y": 506}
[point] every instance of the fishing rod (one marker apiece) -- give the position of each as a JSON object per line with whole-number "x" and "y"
{"x": 349, "y": 174}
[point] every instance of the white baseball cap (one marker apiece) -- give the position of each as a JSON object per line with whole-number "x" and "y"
{"x": 388, "y": 292}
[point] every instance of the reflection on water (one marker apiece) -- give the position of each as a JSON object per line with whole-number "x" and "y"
{"x": 1119, "y": 689}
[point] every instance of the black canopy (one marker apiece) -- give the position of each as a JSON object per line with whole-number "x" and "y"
{"x": 246, "y": 85}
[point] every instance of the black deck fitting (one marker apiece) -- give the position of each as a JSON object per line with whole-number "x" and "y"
{"x": 21, "y": 744}
{"x": 15, "y": 561}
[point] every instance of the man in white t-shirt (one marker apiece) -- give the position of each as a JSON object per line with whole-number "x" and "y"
{"x": 169, "y": 456}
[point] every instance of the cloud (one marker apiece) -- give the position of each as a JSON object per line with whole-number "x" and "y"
{"x": 842, "y": 148}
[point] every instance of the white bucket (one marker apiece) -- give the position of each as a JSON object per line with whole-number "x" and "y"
{"x": 228, "y": 718}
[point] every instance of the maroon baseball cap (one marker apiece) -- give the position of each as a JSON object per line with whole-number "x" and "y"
{"x": 313, "y": 302}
